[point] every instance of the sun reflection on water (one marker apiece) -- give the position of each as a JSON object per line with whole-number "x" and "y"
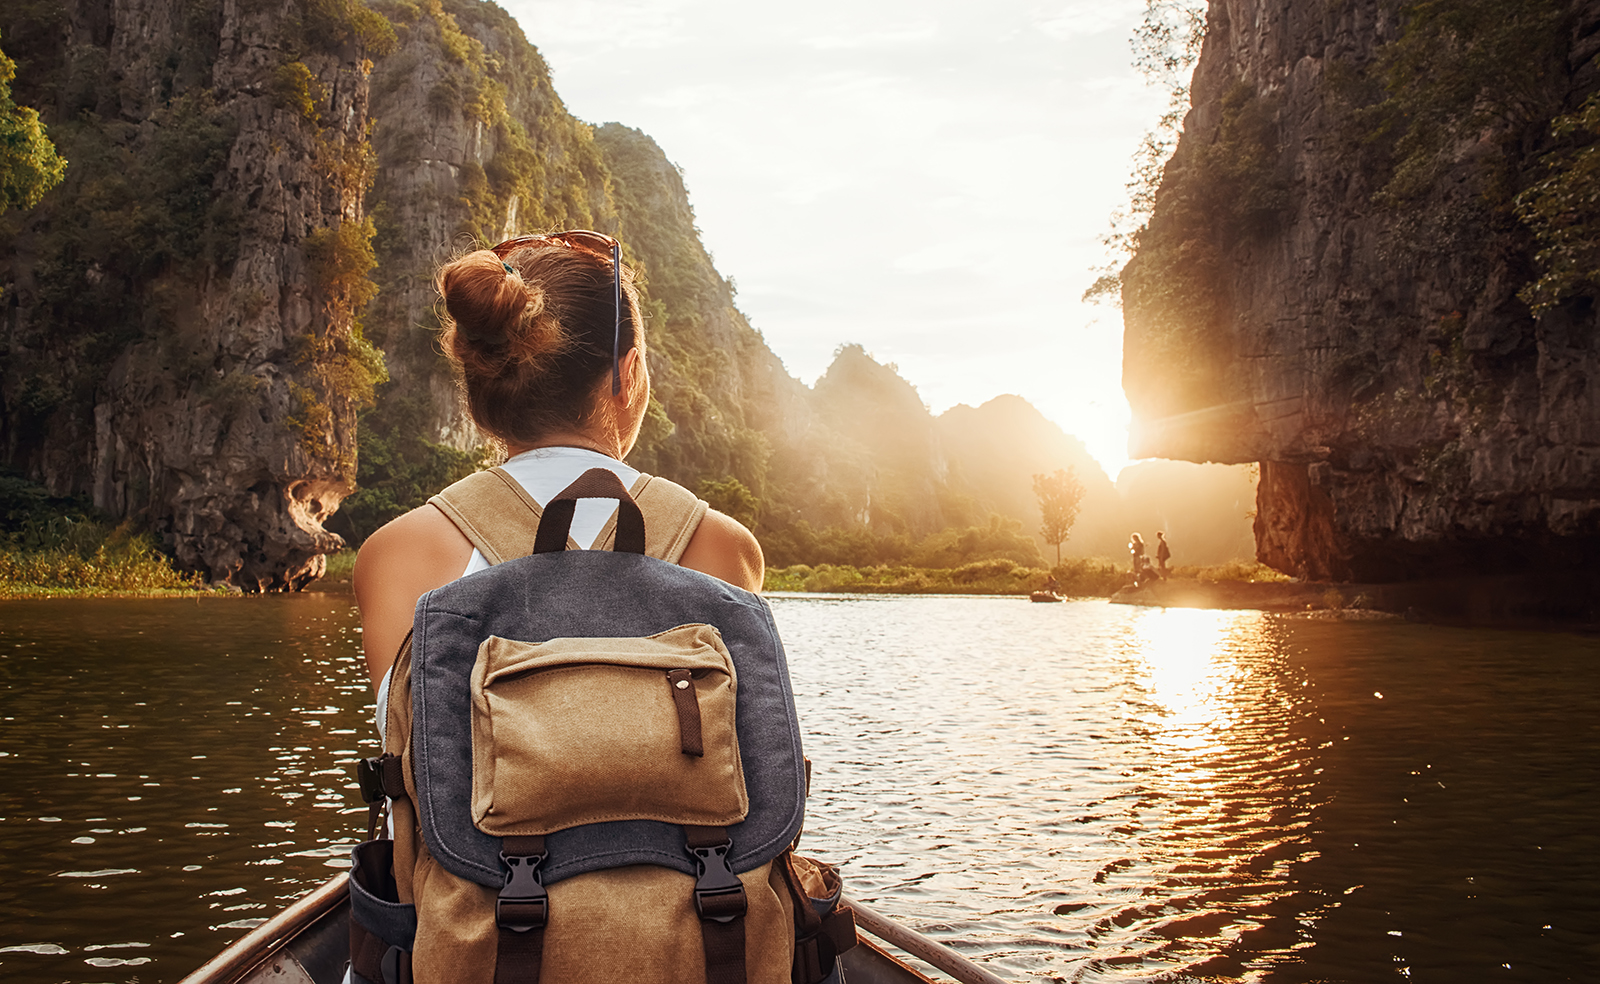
{"x": 1186, "y": 664}
{"x": 1220, "y": 817}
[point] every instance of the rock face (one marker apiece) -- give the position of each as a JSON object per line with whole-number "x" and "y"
{"x": 1316, "y": 293}
{"x": 722, "y": 403}
{"x": 473, "y": 145}
{"x": 178, "y": 337}
{"x": 257, "y": 199}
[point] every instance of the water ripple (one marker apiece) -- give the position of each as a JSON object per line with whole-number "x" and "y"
{"x": 1091, "y": 793}
{"x": 1077, "y": 792}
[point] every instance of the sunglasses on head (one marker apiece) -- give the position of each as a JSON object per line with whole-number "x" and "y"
{"x": 599, "y": 244}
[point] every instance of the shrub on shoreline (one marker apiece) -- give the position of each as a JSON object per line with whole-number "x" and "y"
{"x": 1094, "y": 578}
{"x": 120, "y": 565}
{"x": 981, "y": 577}
{"x": 50, "y": 546}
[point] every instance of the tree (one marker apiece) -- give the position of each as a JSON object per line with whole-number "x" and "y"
{"x": 1060, "y": 493}
{"x": 731, "y": 498}
{"x": 29, "y": 164}
{"x": 1166, "y": 45}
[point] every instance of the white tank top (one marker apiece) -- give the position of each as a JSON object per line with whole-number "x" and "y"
{"x": 544, "y": 472}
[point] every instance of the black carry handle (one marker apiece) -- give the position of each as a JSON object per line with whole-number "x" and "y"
{"x": 596, "y": 483}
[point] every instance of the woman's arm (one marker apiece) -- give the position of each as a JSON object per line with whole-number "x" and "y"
{"x": 723, "y": 548}
{"x": 398, "y": 564}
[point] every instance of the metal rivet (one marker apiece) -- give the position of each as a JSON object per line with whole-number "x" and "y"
{"x": 682, "y": 684}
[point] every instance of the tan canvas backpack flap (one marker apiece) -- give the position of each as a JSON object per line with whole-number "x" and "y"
{"x": 596, "y": 768}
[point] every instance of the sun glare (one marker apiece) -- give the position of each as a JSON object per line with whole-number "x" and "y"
{"x": 1184, "y": 666}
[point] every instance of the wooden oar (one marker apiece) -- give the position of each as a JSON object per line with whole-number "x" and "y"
{"x": 920, "y": 946}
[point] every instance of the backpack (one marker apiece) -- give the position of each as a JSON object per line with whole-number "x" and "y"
{"x": 593, "y": 766}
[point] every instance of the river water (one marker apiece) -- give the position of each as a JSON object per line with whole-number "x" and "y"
{"x": 1074, "y": 792}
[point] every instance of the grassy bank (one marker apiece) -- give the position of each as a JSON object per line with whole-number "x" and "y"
{"x": 982, "y": 577}
{"x": 52, "y": 546}
{"x": 120, "y": 565}
{"x": 1245, "y": 571}
{"x": 341, "y": 567}
{"x": 1082, "y": 578}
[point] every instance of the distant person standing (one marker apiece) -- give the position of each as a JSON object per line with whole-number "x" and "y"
{"x": 1136, "y": 548}
{"x": 1163, "y": 554}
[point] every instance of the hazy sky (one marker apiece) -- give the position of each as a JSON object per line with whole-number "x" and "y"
{"x": 928, "y": 179}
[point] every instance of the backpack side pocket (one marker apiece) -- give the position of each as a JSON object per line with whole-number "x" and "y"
{"x": 383, "y": 930}
{"x": 823, "y": 928}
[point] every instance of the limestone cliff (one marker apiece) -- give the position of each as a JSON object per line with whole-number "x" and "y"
{"x": 258, "y": 196}
{"x": 722, "y": 403}
{"x": 1350, "y": 277}
{"x": 473, "y": 145}
{"x": 178, "y": 335}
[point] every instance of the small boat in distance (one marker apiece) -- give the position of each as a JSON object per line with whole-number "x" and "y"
{"x": 1045, "y": 596}
{"x": 309, "y": 943}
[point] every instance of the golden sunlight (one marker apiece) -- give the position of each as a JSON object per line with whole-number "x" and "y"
{"x": 1185, "y": 665}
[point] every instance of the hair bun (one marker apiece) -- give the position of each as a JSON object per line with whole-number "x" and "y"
{"x": 495, "y": 315}
{"x": 483, "y": 300}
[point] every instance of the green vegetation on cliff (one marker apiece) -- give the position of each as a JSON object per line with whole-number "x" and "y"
{"x": 1562, "y": 209}
{"x": 1461, "y": 69}
{"x": 461, "y": 71}
{"x": 543, "y": 163}
{"x": 137, "y": 203}
{"x": 1497, "y": 77}
{"x": 702, "y": 349}
{"x": 401, "y": 467}
{"x": 1215, "y": 195}
{"x": 29, "y": 164}
{"x": 188, "y": 299}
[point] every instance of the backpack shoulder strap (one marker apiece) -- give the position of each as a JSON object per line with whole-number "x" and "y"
{"x": 495, "y": 512}
{"x": 671, "y": 515}
{"x": 500, "y": 518}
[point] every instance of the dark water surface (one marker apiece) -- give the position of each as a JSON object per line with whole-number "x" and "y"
{"x": 1077, "y": 792}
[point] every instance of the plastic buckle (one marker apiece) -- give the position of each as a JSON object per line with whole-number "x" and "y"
{"x": 396, "y": 966}
{"x": 369, "y": 776}
{"x": 523, "y": 903}
{"x": 718, "y": 892}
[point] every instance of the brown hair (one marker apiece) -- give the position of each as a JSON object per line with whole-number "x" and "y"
{"x": 532, "y": 343}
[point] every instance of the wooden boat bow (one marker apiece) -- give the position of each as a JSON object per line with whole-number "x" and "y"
{"x": 308, "y": 943}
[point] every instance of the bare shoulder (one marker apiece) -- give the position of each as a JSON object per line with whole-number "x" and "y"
{"x": 418, "y": 546}
{"x": 724, "y": 548}
{"x": 399, "y": 563}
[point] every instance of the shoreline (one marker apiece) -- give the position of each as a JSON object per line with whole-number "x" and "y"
{"x": 36, "y": 593}
{"x": 1557, "y": 600}
{"x": 1266, "y": 596}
